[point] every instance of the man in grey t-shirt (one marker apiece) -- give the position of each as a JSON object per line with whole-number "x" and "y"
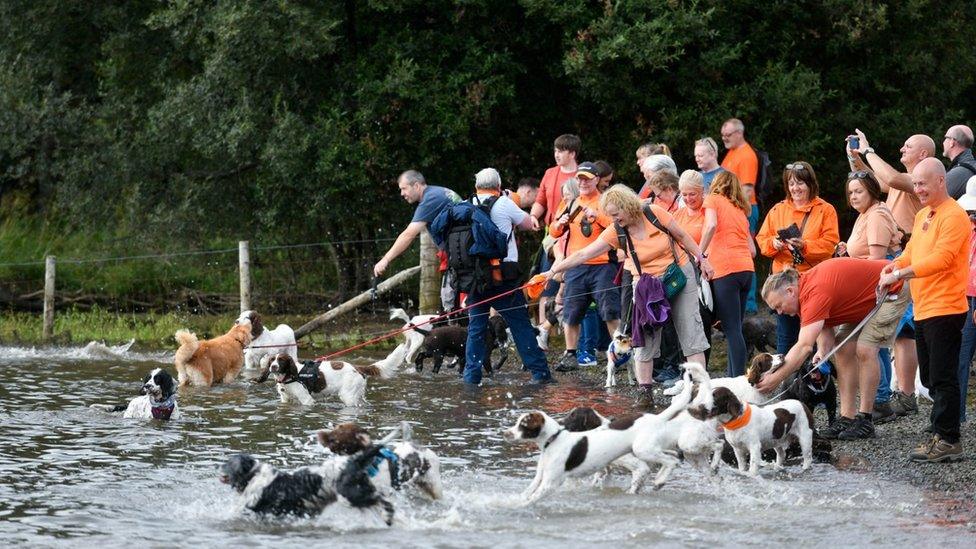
{"x": 430, "y": 201}
{"x": 956, "y": 146}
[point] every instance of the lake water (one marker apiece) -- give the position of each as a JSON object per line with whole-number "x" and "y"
{"x": 70, "y": 476}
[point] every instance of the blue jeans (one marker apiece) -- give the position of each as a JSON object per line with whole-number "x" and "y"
{"x": 966, "y": 355}
{"x": 593, "y": 332}
{"x": 730, "y": 293}
{"x": 512, "y": 308}
{"x": 787, "y": 332}
{"x": 883, "y": 394}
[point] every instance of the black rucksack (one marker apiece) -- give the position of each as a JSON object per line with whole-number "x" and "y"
{"x": 474, "y": 247}
{"x": 764, "y": 187}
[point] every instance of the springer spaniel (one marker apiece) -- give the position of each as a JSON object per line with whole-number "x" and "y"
{"x": 396, "y": 466}
{"x": 346, "y": 380}
{"x": 415, "y": 334}
{"x": 158, "y": 400}
{"x": 305, "y": 492}
{"x": 568, "y": 454}
{"x": 217, "y": 360}
{"x": 584, "y": 418}
{"x": 743, "y": 386}
{"x": 751, "y": 428}
{"x": 265, "y": 342}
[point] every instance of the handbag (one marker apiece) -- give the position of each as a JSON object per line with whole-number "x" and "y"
{"x": 674, "y": 278}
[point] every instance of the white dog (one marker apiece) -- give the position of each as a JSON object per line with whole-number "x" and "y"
{"x": 419, "y": 328}
{"x": 584, "y": 418}
{"x": 620, "y": 354}
{"x": 264, "y": 342}
{"x": 743, "y": 386}
{"x": 346, "y": 380}
{"x": 158, "y": 400}
{"x": 567, "y": 454}
{"x": 752, "y": 428}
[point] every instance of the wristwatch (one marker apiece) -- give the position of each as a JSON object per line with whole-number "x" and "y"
{"x": 867, "y": 151}
{"x": 897, "y": 274}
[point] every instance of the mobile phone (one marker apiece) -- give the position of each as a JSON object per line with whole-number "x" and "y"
{"x": 855, "y": 142}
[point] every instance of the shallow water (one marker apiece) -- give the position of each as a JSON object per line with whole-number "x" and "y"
{"x": 72, "y": 476}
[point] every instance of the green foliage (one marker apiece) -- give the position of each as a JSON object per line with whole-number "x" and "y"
{"x": 178, "y": 124}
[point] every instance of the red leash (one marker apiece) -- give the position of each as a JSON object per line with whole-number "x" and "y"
{"x": 412, "y": 326}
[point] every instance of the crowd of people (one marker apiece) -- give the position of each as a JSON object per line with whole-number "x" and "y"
{"x": 667, "y": 263}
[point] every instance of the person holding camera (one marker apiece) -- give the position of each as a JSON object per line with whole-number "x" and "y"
{"x": 799, "y": 232}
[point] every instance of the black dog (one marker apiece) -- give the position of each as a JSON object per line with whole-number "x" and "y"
{"x": 451, "y": 341}
{"x": 815, "y": 388}
{"x": 303, "y": 492}
{"x": 759, "y": 333}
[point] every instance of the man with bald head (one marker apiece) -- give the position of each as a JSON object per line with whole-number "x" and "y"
{"x": 937, "y": 261}
{"x": 901, "y": 196}
{"x": 957, "y": 147}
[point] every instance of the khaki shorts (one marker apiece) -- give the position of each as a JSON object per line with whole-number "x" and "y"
{"x": 687, "y": 323}
{"x": 880, "y": 331}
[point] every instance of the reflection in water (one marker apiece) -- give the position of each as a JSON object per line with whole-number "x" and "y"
{"x": 69, "y": 473}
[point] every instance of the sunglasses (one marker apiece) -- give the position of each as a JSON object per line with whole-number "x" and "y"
{"x": 861, "y": 174}
{"x": 586, "y": 227}
{"x": 709, "y": 142}
{"x": 928, "y": 218}
{"x": 796, "y": 167}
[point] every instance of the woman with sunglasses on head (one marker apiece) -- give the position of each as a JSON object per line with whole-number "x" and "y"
{"x": 728, "y": 244}
{"x": 801, "y": 213}
{"x": 875, "y": 236}
{"x": 706, "y": 156}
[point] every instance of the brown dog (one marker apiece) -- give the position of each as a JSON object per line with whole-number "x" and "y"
{"x": 217, "y": 360}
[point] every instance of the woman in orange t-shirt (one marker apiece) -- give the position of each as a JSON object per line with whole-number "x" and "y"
{"x": 691, "y": 217}
{"x": 816, "y": 220}
{"x": 653, "y": 249}
{"x": 726, "y": 234}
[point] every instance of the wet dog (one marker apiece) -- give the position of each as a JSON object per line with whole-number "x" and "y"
{"x": 750, "y": 428}
{"x": 567, "y": 454}
{"x": 417, "y": 328}
{"x": 212, "y": 361}
{"x": 743, "y": 386}
{"x": 584, "y": 418}
{"x": 265, "y": 342}
{"x": 441, "y": 342}
{"x": 158, "y": 400}
{"x": 346, "y": 380}
{"x": 814, "y": 389}
{"x": 397, "y": 465}
{"x": 304, "y": 492}
{"x": 620, "y": 354}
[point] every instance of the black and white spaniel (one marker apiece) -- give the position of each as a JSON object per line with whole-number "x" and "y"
{"x": 306, "y": 491}
{"x": 397, "y": 465}
{"x": 265, "y": 342}
{"x": 158, "y": 400}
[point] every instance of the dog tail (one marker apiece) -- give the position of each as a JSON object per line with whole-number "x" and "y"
{"x": 188, "y": 345}
{"x": 680, "y": 401}
{"x": 399, "y": 313}
{"x": 700, "y": 375}
{"x": 387, "y": 367}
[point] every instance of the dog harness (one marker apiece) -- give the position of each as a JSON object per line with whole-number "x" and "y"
{"x": 740, "y": 421}
{"x": 386, "y": 454}
{"x": 619, "y": 360}
{"x": 164, "y": 408}
{"x": 308, "y": 375}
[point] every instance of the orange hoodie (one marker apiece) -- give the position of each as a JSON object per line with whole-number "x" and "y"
{"x": 938, "y": 252}
{"x": 820, "y": 234}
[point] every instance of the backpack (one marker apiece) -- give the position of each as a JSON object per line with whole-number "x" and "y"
{"x": 473, "y": 243}
{"x": 764, "y": 187}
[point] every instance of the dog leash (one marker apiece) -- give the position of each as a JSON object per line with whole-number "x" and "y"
{"x": 881, "y": 296}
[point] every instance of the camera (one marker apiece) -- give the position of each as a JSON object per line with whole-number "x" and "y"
{"x": 854, "y": 142}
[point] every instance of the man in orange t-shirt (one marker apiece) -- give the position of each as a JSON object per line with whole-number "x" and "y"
{"x": 743, "y": 161}
{"x": 838, "y": 293}
{"x": 582, "y": 221}
{"x": 937, "y": 260}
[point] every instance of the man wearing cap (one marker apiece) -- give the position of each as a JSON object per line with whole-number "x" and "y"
{"x": 957, "y": 147}
{"x": 936, "y": 260}
{"x": 506, "y": 215}
{"x": 430, "y": 200}
{"x": 582, "y": 221}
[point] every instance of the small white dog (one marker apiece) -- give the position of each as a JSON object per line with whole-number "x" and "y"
{"x": 346, "y": 380}
{"x": 584, "y": 418}
{"x": 158, "y": 400}
{"x": 264, "y": 342}
{"x": 751, "y": 428}
{"x": 567, "y": 454}
{"x": 620, "y": 354}
{"x": 416, "y": 334}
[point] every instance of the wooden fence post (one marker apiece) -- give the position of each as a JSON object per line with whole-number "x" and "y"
{"x": 430, "y": 276}
{"x": 244, "y": 260}
{"x": 49, "y": 266}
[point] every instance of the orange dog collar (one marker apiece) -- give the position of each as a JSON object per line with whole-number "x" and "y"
{"x": 740, "y": 421}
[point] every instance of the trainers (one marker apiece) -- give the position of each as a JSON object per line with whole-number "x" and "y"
{"x": 543, "y": 339}
{"x": 567, "y": 363}
{"x": 837, "y": 427}
{"x": 937, "y": 450}
{"x": 584, "y": 358}
{"x": 902, "y": 404}
{"x": 883, "y": 413}
{"x": 541, "y": 381}
{"x": 858, "y": 429}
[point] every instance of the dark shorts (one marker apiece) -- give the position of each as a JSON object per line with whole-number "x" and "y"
{"x": 552, "y": 287}
{"x": 587, "y": 283}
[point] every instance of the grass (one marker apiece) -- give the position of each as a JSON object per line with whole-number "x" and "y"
{"x": 155, "y": 331}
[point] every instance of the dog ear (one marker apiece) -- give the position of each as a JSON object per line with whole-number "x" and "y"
{"x": 324, "y": 438}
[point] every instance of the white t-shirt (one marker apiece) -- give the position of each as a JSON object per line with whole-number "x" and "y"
{"x": 506, "y": 214}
